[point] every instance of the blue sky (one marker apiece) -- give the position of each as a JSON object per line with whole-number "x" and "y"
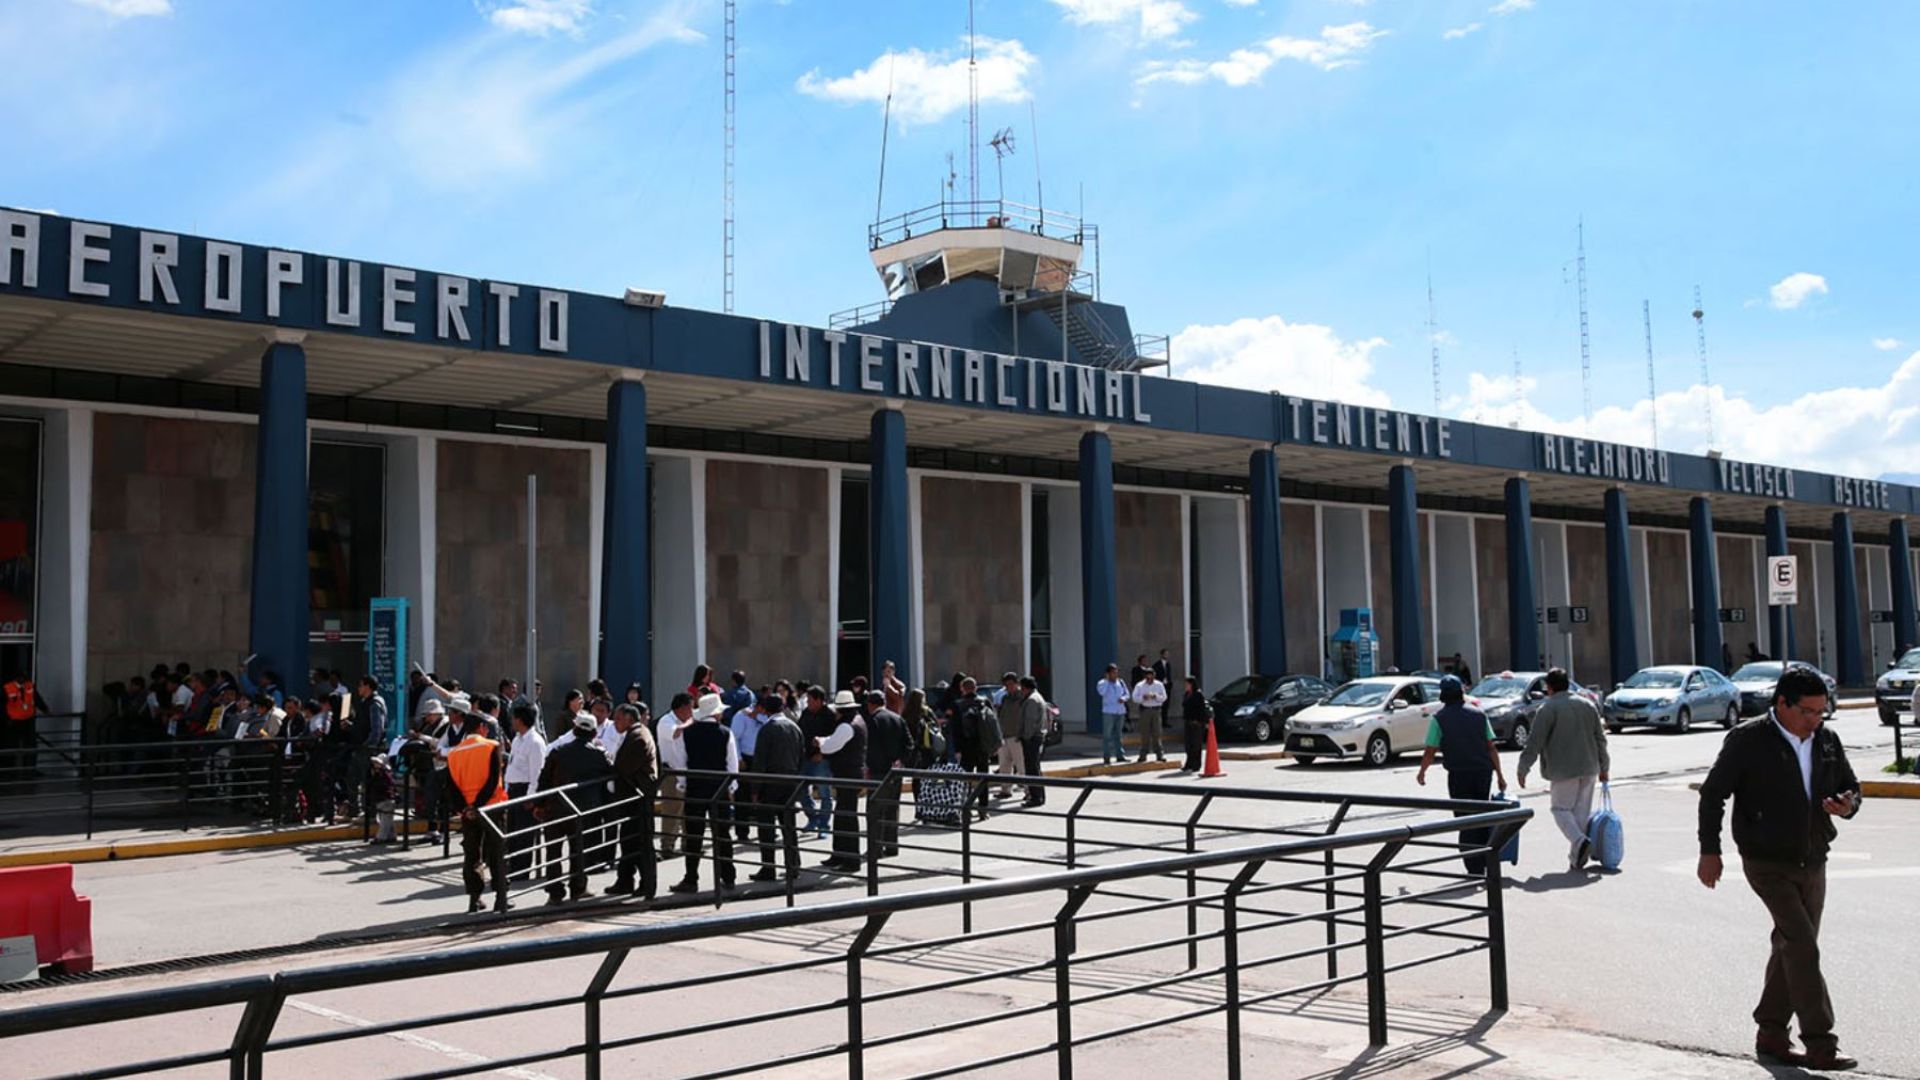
{"x": 1272, "y": 180}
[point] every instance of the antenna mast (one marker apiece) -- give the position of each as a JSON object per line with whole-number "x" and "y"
{"x": 1586, "y": 348}
{"x": 1002, "y": 144}
{"x": 1433, "y": 339}
{"x": 1653, "y": 401}
{"x": 886, "y": 122}
{"x": 1706, "y": 382}
{"x": 973, "y": 114}
{"x": 726, "y": 168}
{"x": 1519, "y": 396}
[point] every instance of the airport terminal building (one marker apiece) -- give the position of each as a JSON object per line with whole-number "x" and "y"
{"x": 209, "y": 449}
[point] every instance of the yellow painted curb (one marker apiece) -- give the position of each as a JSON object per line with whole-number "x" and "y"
{"x": 1890, "y": 789}
{"x": 144, "y": 849}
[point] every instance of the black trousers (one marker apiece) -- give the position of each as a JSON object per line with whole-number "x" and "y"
{"x": 480, "y": 847}
{"x": 1477, "y": 784}
{"x": 977, "y": 796}
{"x": 846, "y": 823}
{"x": 570, "y": 834}
{"x": 637, "y": 863}
{"x": 704, "y": 807}
{"x": 519, "y": 848}
{"x": 774, "y": 810}
{"x": 1030, "y": 752}
{"x": 1196, "y": 746}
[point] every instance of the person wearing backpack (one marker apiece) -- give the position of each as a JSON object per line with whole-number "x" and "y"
{"x": 1570, "y": 742}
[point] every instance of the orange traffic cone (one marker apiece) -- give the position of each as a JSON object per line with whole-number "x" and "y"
{"x": 1213, "y": 755}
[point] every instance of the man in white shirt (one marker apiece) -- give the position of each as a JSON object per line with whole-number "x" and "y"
{"x": 528, "y": 757}
{"x": 673, "y": 763}
{"x": 1114, "y": 696}
{"x": 1150, "y": 694}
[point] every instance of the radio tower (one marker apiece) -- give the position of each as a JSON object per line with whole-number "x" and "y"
{"x": 1653, "y": 402}
{"x": 973, "y": 116}
{"x": 1586, "y": 349}
{"x": 1706, "y": 383}
{"x": 1433, "y": 342}
{"x": 726, "y": 171}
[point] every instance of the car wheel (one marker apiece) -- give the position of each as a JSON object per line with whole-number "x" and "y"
{"x": 1683, "y": 720}
{"x": 1379, "y": 750}
{"x": 1304, "y": 759}
{"x": 1888, "y": 716}
{"x": 1732, "y": 717}
{"x": 1263, "y": 729}
{"x": 1522, "y": 731}
{"x": 1615, "y": 729}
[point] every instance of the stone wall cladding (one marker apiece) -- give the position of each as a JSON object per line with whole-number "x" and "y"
{"x": 1737, "y": 570}
{"x": 170, "y": 572}
{"x": 1669, "y": 591}
{"x": 768, "y": 555}
{"x": 480, "y": 600}
{"x": 1490, "y": 554}
{"x": 970, "y": 579}
{"x": 1587, "y": 568}
{"x": 1151, "y": 575}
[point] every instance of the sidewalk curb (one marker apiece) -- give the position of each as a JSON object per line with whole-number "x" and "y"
{"x": 145, "y": 849}
{"x": 1873, "y": 789}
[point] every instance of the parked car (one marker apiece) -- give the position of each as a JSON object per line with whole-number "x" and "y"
{"x": 1257, "y": 706}
{"x": 1757, "y": 680}
{"x": 1672, "y": 696}
{"x": 1512, "y": 697}
{"x": 1372, "y": 719}
{"x": 1893, "y": 692}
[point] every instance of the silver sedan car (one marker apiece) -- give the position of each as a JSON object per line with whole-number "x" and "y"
{"x": 1673, "y": 696}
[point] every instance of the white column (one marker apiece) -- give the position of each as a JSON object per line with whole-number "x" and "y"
{"x": 66, "y": 556}
{"x": 679, "y": 572}
{"x": 413, "y": 550}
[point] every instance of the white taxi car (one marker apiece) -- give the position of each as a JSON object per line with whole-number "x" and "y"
{"x": 1372, "y": 719}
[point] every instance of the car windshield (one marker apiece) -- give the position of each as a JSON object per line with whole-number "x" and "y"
{"x": 1756, "y": 672}
{"x": 1246, "y": 686}
{"x": 1361, "y": 694}
{"x": 1911, "y": 661}
{"x": 1654, "y": 680}
{"x": 1501, "y": 686}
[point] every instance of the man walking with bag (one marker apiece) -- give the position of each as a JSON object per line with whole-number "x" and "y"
{"x": 1789, "y": 778}
{"x": 1570, "y": 743}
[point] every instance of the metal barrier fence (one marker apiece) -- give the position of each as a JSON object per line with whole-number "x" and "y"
{"x": 1239, "y": 905}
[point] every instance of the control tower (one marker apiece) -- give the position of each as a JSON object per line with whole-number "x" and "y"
{"x": 999, "y": 271}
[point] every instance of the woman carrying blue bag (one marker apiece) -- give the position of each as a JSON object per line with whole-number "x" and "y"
{"x": 1570, "y": 742}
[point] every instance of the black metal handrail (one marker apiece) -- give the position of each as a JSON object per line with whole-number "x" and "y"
{"x": 263, "y": 996}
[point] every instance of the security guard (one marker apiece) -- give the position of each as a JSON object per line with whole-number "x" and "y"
{"x": 23, "y": 704}
{"x": 474, "y": 772}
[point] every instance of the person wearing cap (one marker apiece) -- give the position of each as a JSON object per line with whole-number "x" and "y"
{"x": 713, "y": 759}
{"x": 581, "y": 770}
{"x": 636, "y": 781}
{"x": 845, "y": 752}
{"x": 474, "y": 771}
{"x": 1460, "y": 734}
{"x": 673, "y": 767}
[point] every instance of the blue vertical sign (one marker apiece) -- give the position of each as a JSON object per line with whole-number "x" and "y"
{"x": 387, "y": 657}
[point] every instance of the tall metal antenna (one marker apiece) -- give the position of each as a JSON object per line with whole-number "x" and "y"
{"x": 726, "y": 168}
{"x": 1002, "y": 144}
{"x": 973, "y": 114}
{"x": 1586, "y": 348}
{"x": 1433, "y": 337}
{"x": 1039, "y": 192}
{"x": 1653, "y": 400}
{"x": 886, "y": 123}
{"x": 1706, "y": 381}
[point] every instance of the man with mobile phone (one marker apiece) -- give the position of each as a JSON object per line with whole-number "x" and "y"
{"x": 1789, "y": 778}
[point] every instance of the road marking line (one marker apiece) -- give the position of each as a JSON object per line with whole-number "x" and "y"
{"x": 421, "y": 1042}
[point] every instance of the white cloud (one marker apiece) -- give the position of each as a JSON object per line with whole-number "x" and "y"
{"x": 1796, "y": 289}
{"x": 1155, "y": 18}
{"x": 1458, "y": 32}
{"x": 129, "y": 9}
{"x": 1274, "y": 354}
{"x": 1336, "y": 47}
{"x": 1886, "y": 344}
{"x": 1509, "y": 7}
{"x": 1252, "y": 3}
{"x": 539, "y": 17}
{"x": 930, "y": 86}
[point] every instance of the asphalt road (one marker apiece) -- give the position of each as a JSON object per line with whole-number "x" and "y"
{"x": 1646, "y": 954}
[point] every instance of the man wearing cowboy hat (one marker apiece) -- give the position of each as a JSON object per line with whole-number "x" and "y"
{"x": 581, "y": 767}
{"x": 845, "y": 751}
{"x": 713, "y": 758}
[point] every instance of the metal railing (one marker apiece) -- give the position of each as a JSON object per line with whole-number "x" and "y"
{"x": 1206, "y": 911}
{"x": 978, "y": 214}
{"x": 859, "y": 316}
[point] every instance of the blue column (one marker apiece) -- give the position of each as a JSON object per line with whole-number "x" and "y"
{"x": 1623, "y": 644}
{"x": 1403, "y": 550}
{"x": 1846, "y": 606}
{"x": 1779, "y": 616}
{"x": 1523, "y": 627}
{"x": 891, "y": 592}
{"x": 1900, "y": 559}
{"x": 1099, "y": 592}
{"x": 1269, "y": 610}
{"x": 1706, "y": 582}
{"x": 626, "y": 570}
{"x": 279, "y": 612}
